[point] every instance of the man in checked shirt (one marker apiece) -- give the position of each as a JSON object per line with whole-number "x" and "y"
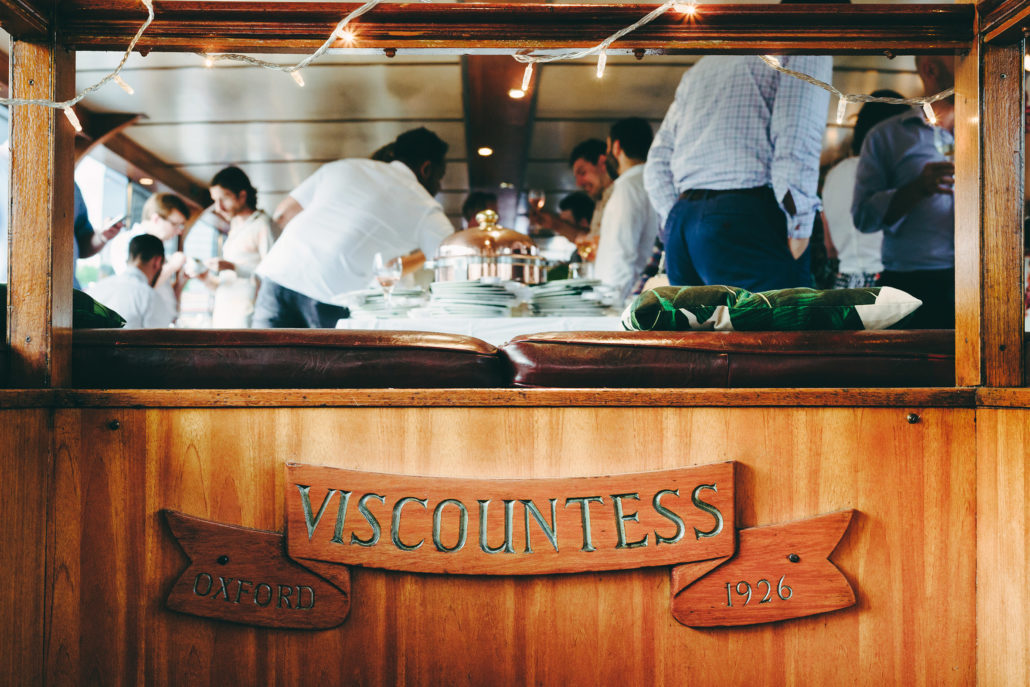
{"x": 733, "y": 172}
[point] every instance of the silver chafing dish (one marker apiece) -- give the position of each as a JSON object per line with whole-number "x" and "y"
{"x": 489, "y": 250}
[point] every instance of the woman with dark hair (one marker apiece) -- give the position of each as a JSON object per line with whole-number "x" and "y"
{"x": 859, "y": 254}
{"x": 251, "y": 234}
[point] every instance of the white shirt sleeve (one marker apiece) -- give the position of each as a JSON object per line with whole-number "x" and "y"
{"x": 432, "y": 229}
{"x": 305, "y": 193}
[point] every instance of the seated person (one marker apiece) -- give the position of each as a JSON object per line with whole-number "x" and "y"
{"x": 131, "y": 293}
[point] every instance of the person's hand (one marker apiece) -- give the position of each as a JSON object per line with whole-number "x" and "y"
{"x": 217, "y": 264}
{"x": 112, "y": 229}
{"x": 586, "y": 246}
{"x": 541, "y": 219}
{"x": 797, "y": 246}
{"x": 936, "y": 177}
{"x": 656, "y": 281}
{"x": 175, "y": 261}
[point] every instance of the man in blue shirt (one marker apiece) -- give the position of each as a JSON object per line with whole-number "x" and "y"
{"x": 904, "y": 187}
{"x": 733, "y": 172}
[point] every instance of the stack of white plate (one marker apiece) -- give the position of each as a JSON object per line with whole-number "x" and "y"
{"x": 569, "y": 298}
{"x": 372, "y": 302}
{"x": 471, "y": 299}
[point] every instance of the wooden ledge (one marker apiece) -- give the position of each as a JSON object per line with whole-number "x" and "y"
{"x": 1003, "y": 398}
{"x": 406, "y": 398}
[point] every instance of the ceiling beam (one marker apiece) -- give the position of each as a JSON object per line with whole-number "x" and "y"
{"x": 24, "y": 19}
{"x": 272, "y": 27}
{"x": 499, "y": 122}
{"x": 1004, "y": 21}
{"x": 98, "y": 128}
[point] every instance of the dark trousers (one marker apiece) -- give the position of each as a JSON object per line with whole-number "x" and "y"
{"x": 733, "y": 238}
{"x": 935, "y": 288}
{"x": 278, "y": 307}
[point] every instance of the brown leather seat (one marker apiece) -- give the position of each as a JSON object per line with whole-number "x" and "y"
{"x": 734, "y": 359}
{"x": 282, "y": 358}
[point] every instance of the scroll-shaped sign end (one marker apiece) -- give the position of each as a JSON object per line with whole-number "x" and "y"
{"x": 244, "y": 576}
{"x": 779, "y": 572}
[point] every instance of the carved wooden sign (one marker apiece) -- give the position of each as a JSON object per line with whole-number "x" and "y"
{"x": 336, "y": 518}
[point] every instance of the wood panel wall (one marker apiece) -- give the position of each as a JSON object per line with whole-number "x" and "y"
{"x": 909, "y": 552}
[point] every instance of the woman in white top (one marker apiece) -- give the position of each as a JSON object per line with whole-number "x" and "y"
{"x": 251, "y": 234}
{"x": 859, "y": 254}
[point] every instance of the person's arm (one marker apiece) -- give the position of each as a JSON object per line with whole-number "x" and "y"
{"x": 552, "y": 222}
{"x": 658, "y": 178}
{"x": 100, "y": 238}
{"x": 286, "y": 211}
{"x": 936, "y": 177}
{"x": 796, "y": 133}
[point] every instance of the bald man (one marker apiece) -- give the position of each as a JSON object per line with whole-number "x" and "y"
{"x": 904, "y": 186}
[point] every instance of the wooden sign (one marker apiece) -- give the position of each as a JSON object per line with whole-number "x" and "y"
{"x": 244, "y": 576}
{"x": 684, "y": 518}
{"x": 509, "y": 527}
{"x": 779, "y": 572}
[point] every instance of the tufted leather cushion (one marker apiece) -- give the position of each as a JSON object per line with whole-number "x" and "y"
{"x": 734, "y": 359}
{"x": 282, "y": 358}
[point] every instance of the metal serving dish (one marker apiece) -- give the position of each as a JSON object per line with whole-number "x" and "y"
{"x": 489, "y": 250}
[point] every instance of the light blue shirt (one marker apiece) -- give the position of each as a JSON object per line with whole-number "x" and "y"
{"x": 893, "y": 154}
{"x": 737, "y": 123}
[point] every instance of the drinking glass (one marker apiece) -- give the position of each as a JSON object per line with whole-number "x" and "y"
{"x": 388, "y": 272}
{"x": 944, "y": 143}
{"x": 536, "y": 199}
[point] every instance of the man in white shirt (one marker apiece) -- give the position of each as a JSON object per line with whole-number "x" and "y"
{"x": 164, "y": 216}
{"x": 629, "y": 224}
{"x": 131, "y": 292}
{"x": 339, "y": 218}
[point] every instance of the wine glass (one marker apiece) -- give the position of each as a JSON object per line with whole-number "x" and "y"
{"x": 388, "y": 272}
{"x": 586, "y": 247}
{"x": 536, "y": 199}
{"x": 944, "y": 143}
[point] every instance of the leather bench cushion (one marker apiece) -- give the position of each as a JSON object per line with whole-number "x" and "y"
{"x": 282, "y": 358}
{"x": 734, "y": 359}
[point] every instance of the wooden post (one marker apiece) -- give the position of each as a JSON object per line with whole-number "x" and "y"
{"x": 42, "y": 161}
{"x": 1001, "y": 116}
{"x": 968, "y": 303}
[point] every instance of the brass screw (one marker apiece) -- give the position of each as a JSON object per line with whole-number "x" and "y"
{"x": 912, "y": 418}
{"x": 114, "y": 424}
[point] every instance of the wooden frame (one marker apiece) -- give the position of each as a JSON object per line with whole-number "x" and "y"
{"x": 988, "y": 347}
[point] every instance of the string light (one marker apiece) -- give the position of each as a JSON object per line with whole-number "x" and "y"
{"x": 348, "y": 37}
{"x": 602, "y": 60}
{"x": 688, "y": 9}
{"x": 772, "y": 61}
{"x": 842, "y": 106}
{"x": 930, "y": 116}
{"x": 208, "y": 61}
{"x": 73, "y": 118}
{"x": 516, "y": 93}
{"x": 125, "y": 87}
{"x": 298, "y": 78}
{"x": 527, "y": 76}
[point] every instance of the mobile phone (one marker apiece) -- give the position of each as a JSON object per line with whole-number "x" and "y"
{"x": 114, "y": 221}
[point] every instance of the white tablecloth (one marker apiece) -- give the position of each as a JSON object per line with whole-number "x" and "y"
{"x": 494, "y": 330}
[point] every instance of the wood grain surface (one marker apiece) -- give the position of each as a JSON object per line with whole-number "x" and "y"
{"x": 908, "y": 553}
{"x": 969, "y": 297}
{"x": 40, "y": 231}
{"x": 25, "y": 473}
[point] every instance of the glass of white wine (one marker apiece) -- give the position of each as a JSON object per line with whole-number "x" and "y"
{"x": 536, "y": 199}
{"x": 388, "y": 272}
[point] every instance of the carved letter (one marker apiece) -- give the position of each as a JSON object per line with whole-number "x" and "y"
{"x": 395, "y": 525}
{"x": 225, "y": 587}
{"x": 341, "y": 515}
{"x": 300, "y": 597}
{"x": 240, "y": 590}
{"x": 620, "y": 522}
{"x": 665, "y": 512}
{"x": 305, "y": 503}
{"x": 529, "y": 507}
{"x": 257, "y": 594}
{"x": 286, "y": 596}
{"x": 707, "y": 508}
{"x": 196, "y": 584}
{"x": 509, "y": 517}
{"x": 584, "y": 504}
{"x": 463, "y": 524}
{"x": 371, "y": 519}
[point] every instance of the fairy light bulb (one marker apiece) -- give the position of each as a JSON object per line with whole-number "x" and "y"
{"x": 347, "y": 36}
{"x": 842, "y": 106}
{"x": 73, "y": 118}
{"x": 527, "y": 76}
{"x": 930, "y": 116}
{"x": 208, "y": 61}
{"x": 688, "y": 9}
{"x": 125, "y": 87}
{"x": 773, "y": 60}
{"x": 297, "y": 77}
{"x": 602, "y": 60}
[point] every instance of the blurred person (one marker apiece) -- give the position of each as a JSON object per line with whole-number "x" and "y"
{"x": 251, "y": 235}
{"x": 131, "y": 292}
{"x": 164, "y": 216}
{"x": 904, "y": 187}
{"x": 577, "y": 209}
{"x": 88, "y": 241}
{"x": 339, "y": 218}
{"x": 858, "y": 253}
{"x": 476, "y": 202}
{"x": 734, "y": 171}
{"x": 629, "y": 224}
{"x": 589, "y": 162}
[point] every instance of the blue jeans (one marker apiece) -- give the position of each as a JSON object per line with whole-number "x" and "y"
{"x": 278, "y": 307}
{"x": 733, "y": 238}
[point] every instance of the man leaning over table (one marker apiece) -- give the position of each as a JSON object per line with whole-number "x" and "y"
{"x": 339, "y": 218}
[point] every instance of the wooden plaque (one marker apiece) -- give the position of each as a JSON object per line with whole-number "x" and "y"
{"x": 510, "y": 527}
